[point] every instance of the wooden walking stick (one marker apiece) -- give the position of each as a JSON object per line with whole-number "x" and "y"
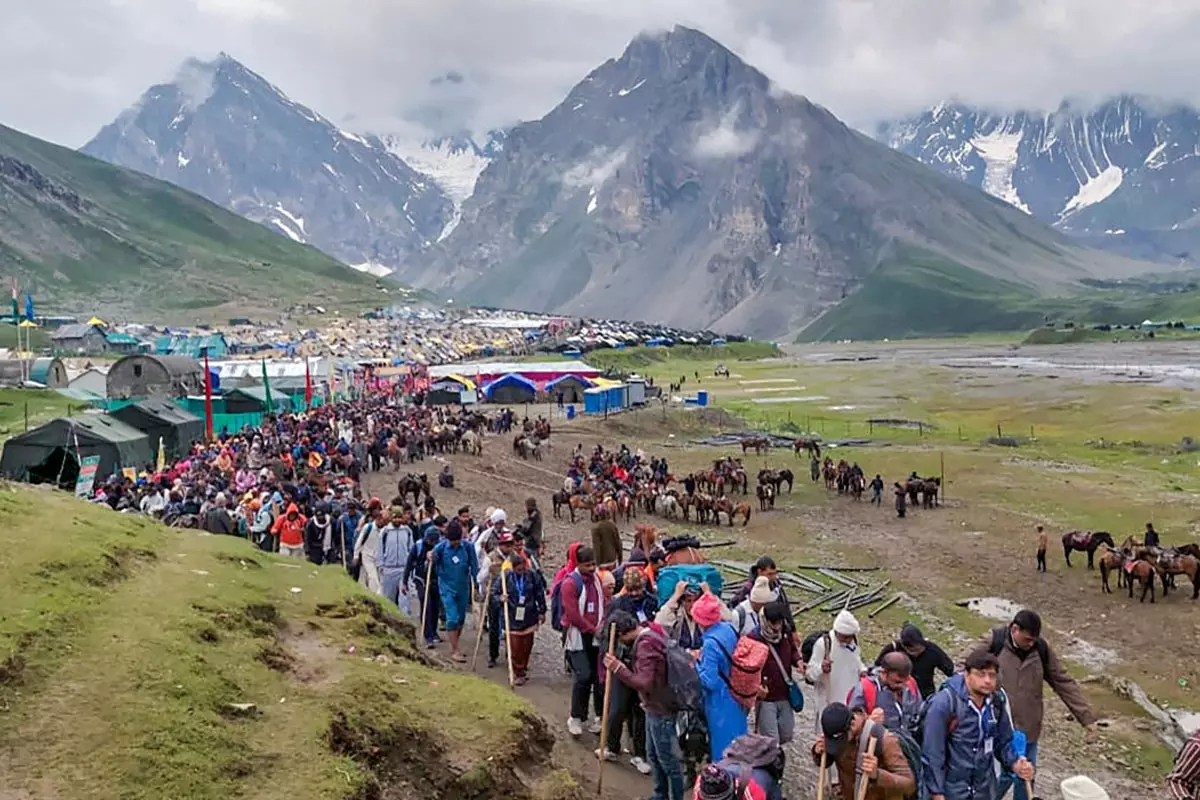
{"x": 479, "y": 634}
{"x": 428, "y": 581}
{"x": 512, "y": 677}
{"x": 864, "y": 780}
{"x": 612, "y": 650}
{"x": 821, "y": 776}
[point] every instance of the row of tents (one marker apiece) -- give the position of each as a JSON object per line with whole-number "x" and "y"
{"x": 128, "y": 437}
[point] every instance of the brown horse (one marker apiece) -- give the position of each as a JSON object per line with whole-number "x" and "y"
{"x": 766, "y": 496}
{"x": 560, "y": 499}
{"x": 760, "y": 444}
{"x": 1143, "y": 572}
{"x": 1087, "y": 542}
{"x": 728, "y": 507}
{"x": 810, "y": 446}
{"x": 1180, "y": 565}
{"x": 1113, "y": 561}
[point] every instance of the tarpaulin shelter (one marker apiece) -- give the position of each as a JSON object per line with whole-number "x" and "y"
{"x": 51, "y": 452}
{"x": 253, "y": 400}
{"x": 511, "y": 388}
{"x": 449, "y": 390}
{"x": 572, "y": 388}
{"x": 177, "y": 428}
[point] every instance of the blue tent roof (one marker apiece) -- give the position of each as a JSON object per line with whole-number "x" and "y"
{"x": 511, "y": 377}
{"x": 585, "y": 381}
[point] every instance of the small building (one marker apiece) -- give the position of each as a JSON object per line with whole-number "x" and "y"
{"x": 637, "y": 390}
{"x": 571, "y": 387}
{"x": 51, "y": 453}
{"x": 193, "y": 346}
{"x": 48, "y": 372}
{"x": 123, "y": 343}
{"x": 163, "y": 420}
{"x": 144, "y": 375}
{"x": 79, "y": 339}
{"x": 93, "y": 380}
{"x": 511, "y": 389}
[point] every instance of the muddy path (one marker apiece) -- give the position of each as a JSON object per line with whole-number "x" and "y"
{"x": 930, "y": 549}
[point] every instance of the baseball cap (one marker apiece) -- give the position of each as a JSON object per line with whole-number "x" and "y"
{"x": 835, "y": 724}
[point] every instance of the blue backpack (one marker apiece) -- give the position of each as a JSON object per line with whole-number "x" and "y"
{"x": 694, "y": 574}
{"x": 556, "y": 611}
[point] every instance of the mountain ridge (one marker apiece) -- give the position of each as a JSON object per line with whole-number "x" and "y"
{"x": 679, "y": 160}
{"x": 1121, "y": 174}
{"x": 223, "y": 131}
{"x": 85, "y": 235}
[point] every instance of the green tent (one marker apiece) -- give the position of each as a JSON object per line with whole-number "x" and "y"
{"x": 51, "y": 452}
{"x": 163, "y": 419}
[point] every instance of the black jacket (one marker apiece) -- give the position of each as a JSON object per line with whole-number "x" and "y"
{"x": 924, "y": 665}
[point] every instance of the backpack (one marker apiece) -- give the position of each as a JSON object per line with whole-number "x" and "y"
{"x": 742, "y": 615}
{"x": 556, "y": 610}
{"x": 682, "y": 678}
{"x": 908, "y": 746}
{"x": 694, "y": 574}
{"x": 870, "y": 691}
{"x": 997, "y": 646}
{"x": 745, "y": 669}
{"x": 806, "y": 648}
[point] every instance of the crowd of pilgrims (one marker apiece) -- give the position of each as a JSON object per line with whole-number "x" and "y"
{"x": 294, "y": 486}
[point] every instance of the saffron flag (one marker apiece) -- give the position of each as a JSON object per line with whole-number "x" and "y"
{"x": 208, "y": 412}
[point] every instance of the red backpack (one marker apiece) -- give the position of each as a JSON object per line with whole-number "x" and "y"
{"x": 745, "y": 670}
{"x": 870, "y": 691}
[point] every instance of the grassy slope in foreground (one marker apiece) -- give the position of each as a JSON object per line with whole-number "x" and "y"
{"x": 123, "y": 644}
{"x": 141, "y": 243}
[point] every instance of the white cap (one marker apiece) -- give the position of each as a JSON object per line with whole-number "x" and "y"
{"x": 1082, "y": 787}
{"x": 498, "y": 516}
{"x": 845, "y": 624}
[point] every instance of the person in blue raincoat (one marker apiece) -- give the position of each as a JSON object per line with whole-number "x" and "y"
{"x": 455, "y": 565}
{"x": 968, "y": 728}
{"x": 726, "y": 717}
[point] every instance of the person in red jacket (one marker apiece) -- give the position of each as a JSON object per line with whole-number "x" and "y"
{"x": 289, "y": 530}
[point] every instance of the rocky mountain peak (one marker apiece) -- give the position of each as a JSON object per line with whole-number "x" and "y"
{"x": 221, "y": 130}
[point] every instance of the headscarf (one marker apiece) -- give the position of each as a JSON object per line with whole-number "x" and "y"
{"x": 569, "y": 567}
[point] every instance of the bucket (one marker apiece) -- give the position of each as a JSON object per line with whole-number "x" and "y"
{"x": 571, "y": 411}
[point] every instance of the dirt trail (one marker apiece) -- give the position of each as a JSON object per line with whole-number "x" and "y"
{"x": 929, "y": 547}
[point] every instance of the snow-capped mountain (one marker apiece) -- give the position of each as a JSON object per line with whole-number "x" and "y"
{"x": 676, "y": 183}
{"x": 1124, "y": 175}
{"x": 224, "y": 132}
{"x": 453, "y": 162}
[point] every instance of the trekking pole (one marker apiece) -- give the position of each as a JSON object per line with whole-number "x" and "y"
{"x": 512, "y": 678}
{"x": 864, "y": 780}
{"x": 612, "y": 651}
{"x": 479, "y": 634}
{"x": 425, "y": 603}
{"x": 1029, "y": 790}
{"x": 821, "y": 777}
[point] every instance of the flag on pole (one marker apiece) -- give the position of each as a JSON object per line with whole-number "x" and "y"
{"x": 16, "y": 313}
{"x": 208, "y": 412}
{"x": 28, "y": 306}
{"x": 267, "y": 388}
{"x": 308, "y": 389}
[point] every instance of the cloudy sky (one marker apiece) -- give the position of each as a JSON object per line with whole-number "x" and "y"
{"x": 70, "y": 66}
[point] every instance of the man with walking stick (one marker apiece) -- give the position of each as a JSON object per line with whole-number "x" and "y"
{"x": 523, "y": 593}
{"x": 420, "y": 571}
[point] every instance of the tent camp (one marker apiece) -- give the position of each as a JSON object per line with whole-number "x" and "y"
{"x": 450, "y": 390}
{"x": 253, "y": 400}
{"x": 50, "y": 453}
{"x": 511, "y": 388}
{"x": 572, "y": 388}
{"x": 177, "y": 428}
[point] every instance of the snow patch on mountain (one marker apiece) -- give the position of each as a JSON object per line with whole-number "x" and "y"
{"x": 999, "y": 151}
{"x": 454, "y": 168}
{"x": 373, "y": 268}
{"x": 1095, "y": 190}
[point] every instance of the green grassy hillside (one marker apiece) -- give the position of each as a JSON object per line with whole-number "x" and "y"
{"x": 923, "y": 294}
{"x": 88, "y": 236}
{"x": 138, "y": 661}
